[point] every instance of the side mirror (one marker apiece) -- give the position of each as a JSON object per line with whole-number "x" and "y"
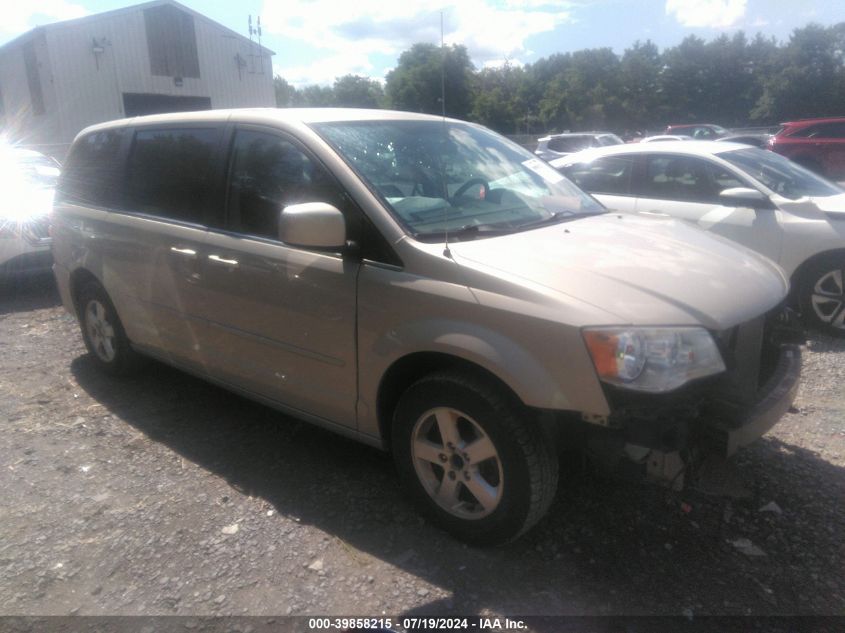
{"x": 315, "y": 225}
{"x": 744, "y": 197}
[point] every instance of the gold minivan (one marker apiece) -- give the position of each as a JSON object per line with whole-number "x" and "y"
{"x": 423, "y": 285}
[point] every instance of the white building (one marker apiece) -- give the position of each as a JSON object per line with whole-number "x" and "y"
{"x": 155, "y": 57}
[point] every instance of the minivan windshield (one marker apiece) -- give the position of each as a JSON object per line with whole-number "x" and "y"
{"x": 780, "y": 174}
{"x": 445, "y": 176}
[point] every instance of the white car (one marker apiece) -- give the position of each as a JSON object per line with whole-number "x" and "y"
{"x": 752, "y": 196}
{"x": 28, "y": 179}
{"x": 558, "y": 145}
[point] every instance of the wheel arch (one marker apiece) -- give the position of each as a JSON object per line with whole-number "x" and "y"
{"x": 799, "y": 275}
{"x": 406, "y": 370}
{"x": 79, "y": 278}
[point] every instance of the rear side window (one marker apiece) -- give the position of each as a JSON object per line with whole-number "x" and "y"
{"x": 830, "y": 130}
{"x": 821, "y": 130}
{"x": 89, "y": 175}
{"x": 168, "y": 172}
{"x": 611, "y": 174}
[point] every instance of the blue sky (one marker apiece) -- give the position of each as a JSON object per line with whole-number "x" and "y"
{"x": 318, "y": 40}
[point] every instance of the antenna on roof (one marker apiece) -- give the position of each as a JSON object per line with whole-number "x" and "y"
{"x": 446, "y": 251}
{"x": 260, "y": 54}
{"x": 251, "y": 44}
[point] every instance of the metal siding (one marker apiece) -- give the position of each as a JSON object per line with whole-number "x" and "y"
{"x": 21, "y": 122}
{"x": 18, "y": 109}
{"x": 171, "y": 42}
{"x": 82, "y": 94}
{"x": 228, "y": 88}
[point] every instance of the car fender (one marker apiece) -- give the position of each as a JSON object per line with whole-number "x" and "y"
{"x": 521, "y": 369}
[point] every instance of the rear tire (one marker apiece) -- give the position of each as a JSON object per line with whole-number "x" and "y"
{"x": 822, "y": 295}
{"x": 471, "y": 459}
{"x": 103, "y": 332}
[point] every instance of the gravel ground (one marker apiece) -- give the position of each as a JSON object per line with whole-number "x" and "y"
{"x": 165, "y": 495}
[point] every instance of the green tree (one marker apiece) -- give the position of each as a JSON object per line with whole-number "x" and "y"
{"x": 316, "y": 97}
{"x": 286, "y": 94}
{"x": 498, "y": 101}
{"x": 809, "y": 80}
{"x": 353, "y": 91}
{"x": 415, "y": 83}
{"x": 640, "y": 86}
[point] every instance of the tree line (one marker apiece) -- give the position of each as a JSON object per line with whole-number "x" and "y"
{"x": 730, "y": 80}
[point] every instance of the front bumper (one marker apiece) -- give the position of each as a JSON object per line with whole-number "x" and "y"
{"x": 774, "y": 400}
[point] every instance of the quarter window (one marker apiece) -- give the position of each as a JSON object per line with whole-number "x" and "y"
{"x": 268, "y": 173}
{"x": 90, "y": 172}
{"x": 168, "y": 172}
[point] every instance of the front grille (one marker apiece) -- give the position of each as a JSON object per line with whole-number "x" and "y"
{"x": 751, "y": 350}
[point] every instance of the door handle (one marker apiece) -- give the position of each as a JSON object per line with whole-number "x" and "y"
{"x": 187, "y": 252}
{"x": 223, "y": 260}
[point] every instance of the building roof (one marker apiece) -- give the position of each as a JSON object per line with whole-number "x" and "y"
{"x": 115, "y": 12}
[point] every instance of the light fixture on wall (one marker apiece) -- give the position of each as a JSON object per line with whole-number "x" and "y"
{"x": 98, "y": 47}
{"x": 177, "y": 81}
{"x": 240, "y": 62}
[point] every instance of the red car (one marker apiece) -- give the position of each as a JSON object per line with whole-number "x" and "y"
{"x": 817, "y": 144}
{"x": 699, "y": 131}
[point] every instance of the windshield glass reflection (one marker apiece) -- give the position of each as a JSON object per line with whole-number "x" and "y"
{"x": 780, "y": 174}
{"x": 440, "y": 176}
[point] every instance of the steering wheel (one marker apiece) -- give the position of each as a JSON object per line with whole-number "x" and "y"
{"x": 469, "y": 183}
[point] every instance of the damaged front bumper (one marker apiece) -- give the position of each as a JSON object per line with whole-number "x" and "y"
{"x": 775, "y": 399}
{"x": 670, "y": 433}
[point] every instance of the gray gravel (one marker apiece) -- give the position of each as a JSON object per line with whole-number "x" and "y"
{"x": 165, "y": 495}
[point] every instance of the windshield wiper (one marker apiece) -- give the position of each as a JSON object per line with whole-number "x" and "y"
{"x": 555, "y": 218}
{"x": 468, "y": 231}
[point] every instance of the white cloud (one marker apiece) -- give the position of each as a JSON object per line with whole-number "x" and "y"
{"x": 352, "y": 31}
{"x": 17, "y": 17}
{"x": 707, "y": 13}
{"x": 324, "y": 71}
{"x": 500, "y": 63}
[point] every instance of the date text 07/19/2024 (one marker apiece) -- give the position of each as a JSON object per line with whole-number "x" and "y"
{"x": 416, "y": 624}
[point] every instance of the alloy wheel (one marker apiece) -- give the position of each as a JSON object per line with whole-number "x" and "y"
{"x": 457, "y": 463}
{"x": 100, "y": 331}
{"x": 828, "y": 298}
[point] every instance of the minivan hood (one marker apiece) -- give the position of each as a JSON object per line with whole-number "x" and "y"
{"x": 637, "y": 270}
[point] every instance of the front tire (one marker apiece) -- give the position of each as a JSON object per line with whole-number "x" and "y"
{"x": 822, "y": 295}
{"x": 471, "y": 459}
{"x": 103, "y": 332}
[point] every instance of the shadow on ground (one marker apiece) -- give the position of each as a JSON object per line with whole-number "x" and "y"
{"x": 607, "y": 546}
{"x": 28, "y": 293}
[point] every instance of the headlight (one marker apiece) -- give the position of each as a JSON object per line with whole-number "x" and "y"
{"x": 652, "y": 359}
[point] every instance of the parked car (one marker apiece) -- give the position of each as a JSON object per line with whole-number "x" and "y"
{"x": 422, "y": 285}
{"x": 760, "y": 140}
{"x": 28, "y": 181}
{"x": 698, "y": 131}
{"x": 557, "y": 145}
{"x": 665, "y": 137}
{"x": 752, "y": 196}
{"x": 817, "y": 144}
